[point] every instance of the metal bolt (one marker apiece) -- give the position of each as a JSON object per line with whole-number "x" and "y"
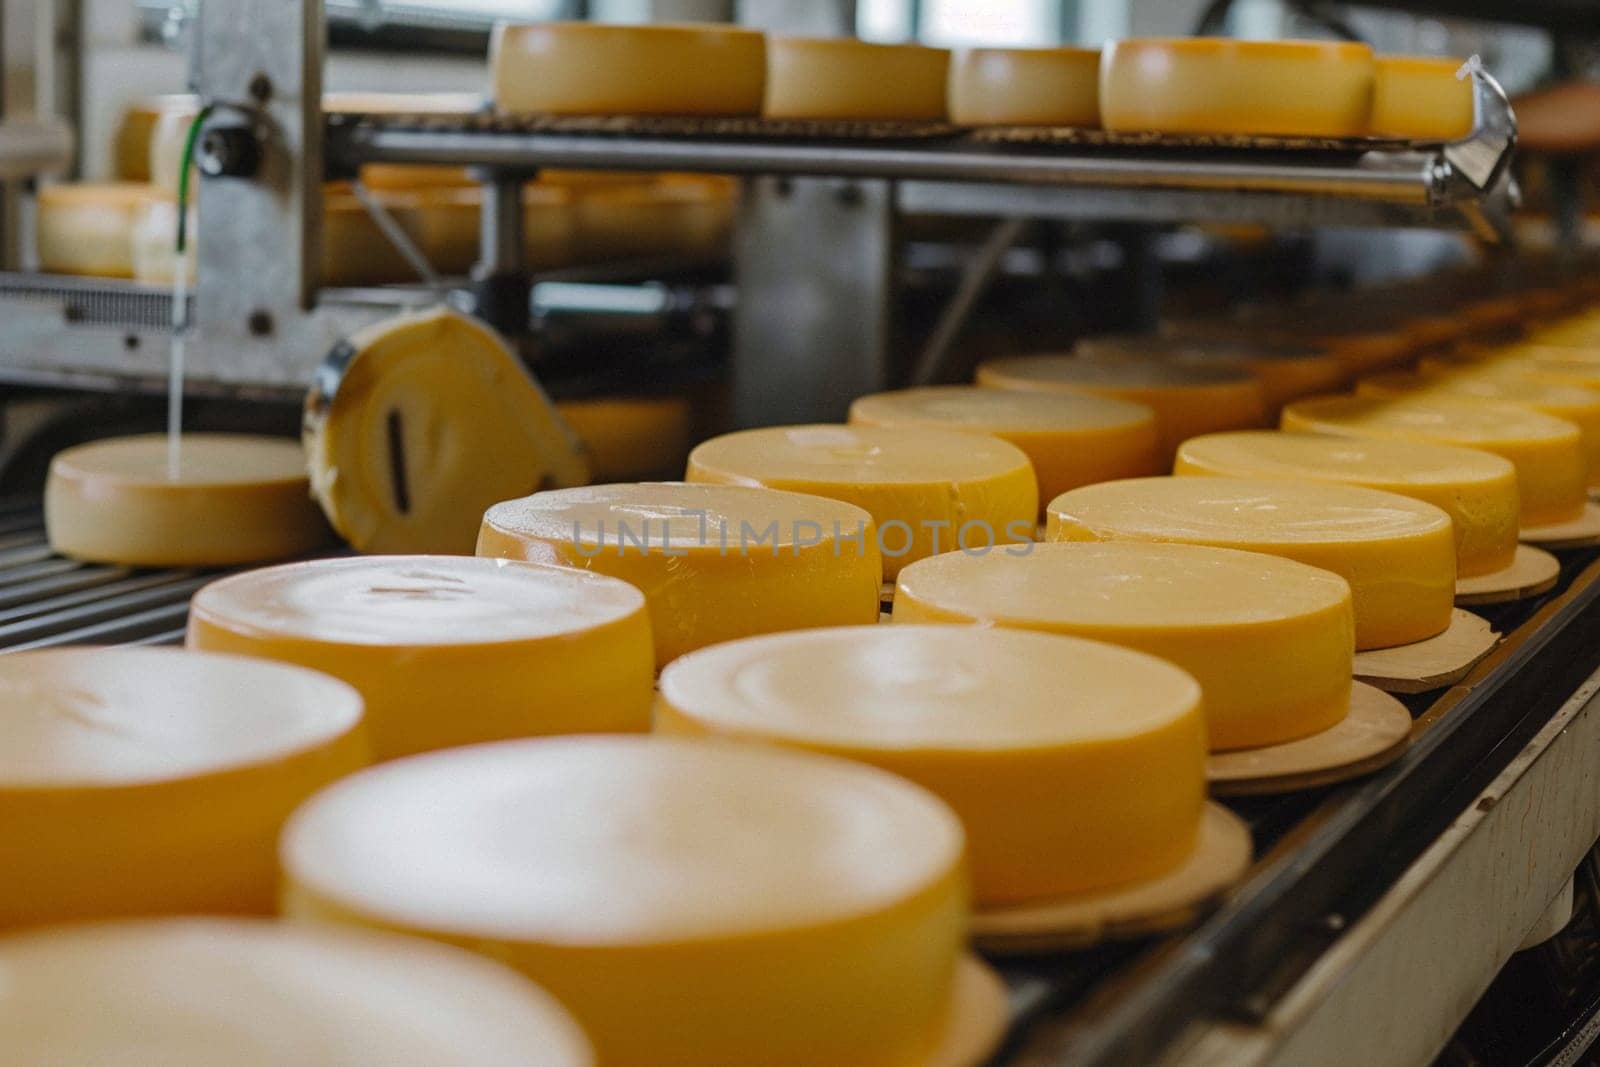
{"x": 849, "y": 194}
{"x": 130, "y": 341}
{"x": 259, "y": 324}
{"x": 260, "y": 88}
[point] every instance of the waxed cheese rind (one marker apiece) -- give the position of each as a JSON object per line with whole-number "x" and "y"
{"x": 195, "y": 992}
{"x": 763, "y": 560}
{"x": 447, "y": 650}
{"x": 1398, "y": 554}
{"x": 1073, "y": 765}
{"x": 1271, "y": 641}
{"x": 672, "y": 928}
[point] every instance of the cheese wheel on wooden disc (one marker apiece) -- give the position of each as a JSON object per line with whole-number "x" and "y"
{"x": 1025, "y": 87}
{"x": 1478, "y": 490}
{"x": 1552, "y": 470}
{"x": 592, "y": 68}
{"x": 1578, "y": 405}
{"x": 1421, "y": 98}
{"x": 418, "y": 423}
{"x": 1270, "y": 640}
{"x": 1187, "y": 400}
{"x": 845, "y": 78}
{"x": 237, "y": 499}
{"x": 201, "y": 992}
{"x": 715, "y": 562}
{"x": 89, "y": 228}
{"x": 1214, "y": 85}
{"x": 154, "y": 781}
{"x": 629, "y": 438}
{"x": 447, "y": 650}
{"x": 1398, "y": 554}
{"x": 1286, "y": 371}
{"x": 698, "y": 902}
{"x": 1073, "y": 765}
{"x": 1070, "y": 439}
{"x": 928, "y": 491}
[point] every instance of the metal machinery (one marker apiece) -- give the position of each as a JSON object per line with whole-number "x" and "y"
{"x": 1376, "y": 913}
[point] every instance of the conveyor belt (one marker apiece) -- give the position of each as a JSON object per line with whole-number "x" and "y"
{"x": 1323, "y": 854}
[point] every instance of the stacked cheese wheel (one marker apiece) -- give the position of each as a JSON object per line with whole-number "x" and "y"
{"x": 447, "y": 650}
{"x": 194, "y": 993}
{"x": 1286, "y": 371}
{"x": 715, "y": 562}
{"x": 1073, "y": 765}
{"x": 687, "y": 901}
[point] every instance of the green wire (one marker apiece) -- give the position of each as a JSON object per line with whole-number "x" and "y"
{"x": 183, "y": 179}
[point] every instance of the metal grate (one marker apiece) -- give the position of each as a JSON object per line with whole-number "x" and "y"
{"x": 95, "y": 301}
{"x": 47, "y": 601}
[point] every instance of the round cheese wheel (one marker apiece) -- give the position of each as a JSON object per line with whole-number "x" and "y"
{"x": 1070, "y": 439}
{"x": 845, "y": 78}
{"x": 629, "y": 438}
{"x": 198, "y": 992}
{"x": 656, "y": 217}
{"x": 1398, "y": 554}
{"x": 1073, "y": 765}
{"x": 688, "y": 901}
{"x": 130, "y": 141}
{"x": 592, "y": 68}
{"x": 89, "y": 228}
{"x": 1187, "y": 400}
{"x": 1576, "y": 404}
{"x": 714, "y": 562}
{"x": 153, "y": 781}
{"x": 417, "y": 423}
{"x": 1433, "y": 332}
{"x": 1421, "y": 98}
{"x": 1025, "y": 87}
{"x": 1478, "y": 490}
{"x": 408, "y": 177}
{"x": 928, "y": 491}
{"x": 1552, "y": 471}
{"x": 1270, "y": 640}
{"x": 1214, "y": 85}
{"x": 1286, "y": 371}
{"x": 237, "y": 499}
{"x": 447, "y": 650}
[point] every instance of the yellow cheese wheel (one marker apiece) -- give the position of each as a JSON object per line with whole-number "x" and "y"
{"x": 591, "y": 68}
{"x": 1576, "y": 404}
{"x": 928, "y": 491}
{"x": 1073, "y": 765}
{"x": 1270, "y": 640}
{"x": 417, "y": 423}
{"x": 1478, "y": 490}
{"x": 408, "y": 177}
{"x": 688, "y": 901}
{"x": 1433, "y": 332}
{"x": 1213, "y": 85}
{"x": 199, "y": 992}
{"x": 657, "y": 217}
{"x": 1025, "y": 87}
{"x": 153, "y": 781}
{"x": 447, "y": 650}
{"x": 1286, "y": 371}
{"x": 714, "y": 562}
{"x": 88, "y": 228}
{"x": 136, "y": 127}
{"x": 844, "y": 78}
{"x": 629, "y": 438}
{"x": 1187, "y": 400}
{"x": 1421, "y": 98}
{"x": 237, "y": 499}
{"x": 1070, "y": 439}
{"x": 1552, "y": 471}
{"x": 1398, "y": 554}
